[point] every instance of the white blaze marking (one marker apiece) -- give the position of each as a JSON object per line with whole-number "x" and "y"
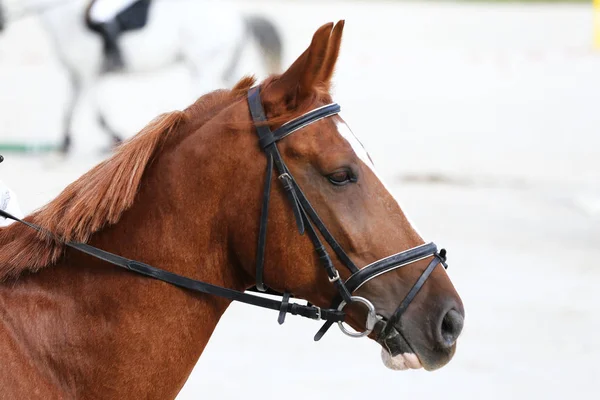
{"x": 360, "y": 151}
{"x": 403, "y": 361}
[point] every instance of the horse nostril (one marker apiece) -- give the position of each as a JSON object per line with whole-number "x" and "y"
{"x": 452, "y": 325}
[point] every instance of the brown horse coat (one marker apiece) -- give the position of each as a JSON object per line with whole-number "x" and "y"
{"x": 185, "y": 195}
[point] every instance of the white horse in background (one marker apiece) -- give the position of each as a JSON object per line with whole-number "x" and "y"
{"x": 207, "y": 37}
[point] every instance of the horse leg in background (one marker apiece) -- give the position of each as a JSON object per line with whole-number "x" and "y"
{"x": 86, "y": 107}
{"x": 82, "y": 97}
{"x": 206, "y": 68}
{"x": 67, "y": 140}
{"x": 2, "y": 18}
{"x": 83, "y": 120}
{"x": 213, "y": 60}
{"x": 236, "y": 57}
{"x": 114, "y": 136}
{"x": 80, "y": 54}
{"x": 269, "y": 40}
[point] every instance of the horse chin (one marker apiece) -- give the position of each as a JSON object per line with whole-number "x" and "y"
{"x": 396, "y": 353}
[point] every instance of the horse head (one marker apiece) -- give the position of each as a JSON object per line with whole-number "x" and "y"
{"x": 336, "y": 174}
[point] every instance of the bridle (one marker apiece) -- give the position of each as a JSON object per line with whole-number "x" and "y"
{"x": 306, "y": 216}
{"x": 307, "y": 221}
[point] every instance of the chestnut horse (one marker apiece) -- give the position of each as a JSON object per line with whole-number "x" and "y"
{"x": 186, "y": 194}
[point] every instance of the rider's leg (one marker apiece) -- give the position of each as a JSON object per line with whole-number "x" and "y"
{"x": 102, "y": 15}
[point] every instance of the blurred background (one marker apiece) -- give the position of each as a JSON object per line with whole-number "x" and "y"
{"x": 484, "y": 117}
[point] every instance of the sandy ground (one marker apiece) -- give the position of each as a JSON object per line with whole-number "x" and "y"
{"x": 486, "y": 121}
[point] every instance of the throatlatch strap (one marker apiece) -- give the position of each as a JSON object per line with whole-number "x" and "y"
{"x": 287, "y": 181}
{"x": 262, "y": 230}
{"x": 332, "y": 273}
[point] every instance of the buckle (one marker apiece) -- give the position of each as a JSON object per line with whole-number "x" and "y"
{"x": 336, "y": 277}
{"x": 285, "y": 176}
{"x": 442, "y": 256}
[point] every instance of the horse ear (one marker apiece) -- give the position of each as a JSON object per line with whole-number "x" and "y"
{"x": 333, "y": 51}
{"x": 313, "y": 68}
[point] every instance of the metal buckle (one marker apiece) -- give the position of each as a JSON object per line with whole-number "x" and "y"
{"x": 285, "y": 176}
{"x": 336, "y": 277}
{"x": 372, "y": 317}
{"x": 318, "y": 312}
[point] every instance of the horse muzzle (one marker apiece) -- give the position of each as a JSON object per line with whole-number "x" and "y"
{"x": 380, "y": 267}
{"x": 433, "y": 344}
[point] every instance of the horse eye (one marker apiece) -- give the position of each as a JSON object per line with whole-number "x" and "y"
{"x": 341, "y": 178}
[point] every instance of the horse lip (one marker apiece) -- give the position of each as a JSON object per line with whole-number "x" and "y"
{"x": 395, "y": 343}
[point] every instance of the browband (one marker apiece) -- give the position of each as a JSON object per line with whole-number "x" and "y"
{"x": 300, "y": 122}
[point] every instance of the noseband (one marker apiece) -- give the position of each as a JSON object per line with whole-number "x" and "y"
{"x": 307, "y": 221}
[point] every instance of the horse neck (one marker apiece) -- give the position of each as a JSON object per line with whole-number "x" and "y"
{"x": 124, "y": 324}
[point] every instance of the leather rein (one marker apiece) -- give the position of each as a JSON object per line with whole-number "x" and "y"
{"x": 307, "y": 221}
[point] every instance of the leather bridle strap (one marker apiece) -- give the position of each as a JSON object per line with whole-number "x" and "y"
{"x": 302, "y": 209}
{"x": 298, "y": 123}
{"x": 412, "y": 293}
{"x": 388, "y": 264}
{"x": 283, "y": 307}
{"x": 264, "y": 133}
{"x": 337, "y": 249}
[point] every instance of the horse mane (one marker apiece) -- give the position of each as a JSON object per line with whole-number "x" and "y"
{"x": 99, "y": 197}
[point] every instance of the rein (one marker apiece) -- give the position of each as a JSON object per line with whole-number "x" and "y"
{"x": 283, "y": 306}
{"x": 307, "y": 221}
